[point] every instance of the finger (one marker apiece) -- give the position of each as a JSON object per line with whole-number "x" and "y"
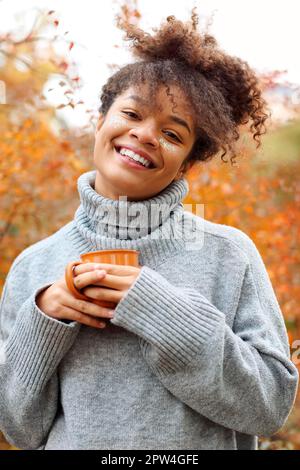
{"x": 89, "y": 308}
{"x": 116, "y": 282}
{"x": 118, "y": 269}
{"x": 74, "y": 315}
{"x": 85, "y": 267}
{"x": 101, "y": 293}
{"x": 91, "y": 277}
{"x": 84, "y": 306}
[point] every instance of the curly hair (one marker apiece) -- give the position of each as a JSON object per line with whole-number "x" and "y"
{"x": 222, "y": 90}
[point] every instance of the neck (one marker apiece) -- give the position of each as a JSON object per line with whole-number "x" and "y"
{"x": 151, "y": 225}
{"x": 109, "y": 192}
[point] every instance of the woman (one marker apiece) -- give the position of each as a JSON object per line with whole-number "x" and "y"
{"x": 195, "y": 355}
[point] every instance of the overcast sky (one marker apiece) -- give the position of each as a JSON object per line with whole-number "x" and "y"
{"x": 266, "y": 33}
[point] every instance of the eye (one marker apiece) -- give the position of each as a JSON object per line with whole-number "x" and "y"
{"x": 173, "y": 136}
{"x": 130, "y": 112}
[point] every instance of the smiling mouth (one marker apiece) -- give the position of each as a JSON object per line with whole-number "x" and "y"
{"x": 133, "y": 161}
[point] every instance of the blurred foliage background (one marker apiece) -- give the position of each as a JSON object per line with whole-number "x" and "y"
{"x": 41, "y": 158}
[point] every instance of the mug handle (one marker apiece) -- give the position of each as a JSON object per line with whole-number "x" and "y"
{"x": 69, "y": 276}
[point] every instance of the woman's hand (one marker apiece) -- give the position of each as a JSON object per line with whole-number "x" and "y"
{"x": 112, "y": 287}
{"x": 57, "y": 301}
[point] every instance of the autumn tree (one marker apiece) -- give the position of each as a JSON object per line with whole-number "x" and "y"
{"x": 41, "y": 159}
{"x": 39, "y": 163}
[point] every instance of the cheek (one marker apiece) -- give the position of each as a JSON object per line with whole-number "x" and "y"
{"x": 110, "y": 129}
{"x": 116, "y": 122}
{"x": 168, "y": 146}
{"x": 173, "y": 155}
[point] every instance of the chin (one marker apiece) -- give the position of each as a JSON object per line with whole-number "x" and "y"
{"x": 121, "y": 185}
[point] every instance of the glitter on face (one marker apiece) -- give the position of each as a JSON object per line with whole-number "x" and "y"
{"x": 166, "y": 145}
{"x": 116, "y": 121}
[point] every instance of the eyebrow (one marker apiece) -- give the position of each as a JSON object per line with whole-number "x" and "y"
{"x": 171, "y": 117}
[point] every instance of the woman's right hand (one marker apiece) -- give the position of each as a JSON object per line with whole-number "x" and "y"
{"x": 57, "y": 301}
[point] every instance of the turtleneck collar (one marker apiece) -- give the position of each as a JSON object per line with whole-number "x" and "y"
{"x": 153, "y": 226}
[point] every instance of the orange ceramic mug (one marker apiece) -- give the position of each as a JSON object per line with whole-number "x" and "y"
{"x": 124, "y": 257}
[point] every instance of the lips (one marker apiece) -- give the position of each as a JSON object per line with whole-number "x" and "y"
{"x": 139, "y": 152}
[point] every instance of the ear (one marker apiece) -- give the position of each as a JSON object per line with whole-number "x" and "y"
{"x": 181, "y": 171}
{"x": 179, "y": 174}
{"x": 186, "y": 165}
{"x": 99, "y": 123}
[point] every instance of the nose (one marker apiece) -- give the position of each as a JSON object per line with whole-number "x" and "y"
{"x": 146, "y": 133}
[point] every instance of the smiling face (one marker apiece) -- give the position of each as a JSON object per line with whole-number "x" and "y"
{"x": 140, "y": 146}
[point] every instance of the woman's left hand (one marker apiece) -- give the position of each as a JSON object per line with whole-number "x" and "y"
{"x": 113, "y": 286}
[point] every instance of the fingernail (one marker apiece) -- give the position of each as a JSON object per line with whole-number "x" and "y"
{"x": 111, "y": 313}
{"x": 100, "y": 273}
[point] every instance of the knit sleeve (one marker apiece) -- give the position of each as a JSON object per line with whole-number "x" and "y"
{"x": 31, "y": 347}
{"x": 242, "y": 377}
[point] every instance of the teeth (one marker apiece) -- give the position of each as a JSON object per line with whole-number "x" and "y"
{"x": 135, "y": 157}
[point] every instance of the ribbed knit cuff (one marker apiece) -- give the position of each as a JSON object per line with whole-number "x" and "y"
{"x": 37, "y": 344}
{"x": 175, "y": 321}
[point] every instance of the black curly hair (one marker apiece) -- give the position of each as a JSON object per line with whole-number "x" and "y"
{"x": 223, "y": 90}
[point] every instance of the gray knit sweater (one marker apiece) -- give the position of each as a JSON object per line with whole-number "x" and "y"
{"x": 196, "y": 357}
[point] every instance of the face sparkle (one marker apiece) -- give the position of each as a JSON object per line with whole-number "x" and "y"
{"x": 116, "y": 121}
{"x": 166, "y": 145}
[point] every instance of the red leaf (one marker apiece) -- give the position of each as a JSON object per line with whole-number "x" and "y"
{"x": 63, "y": 65}
{"x": 71, "y": 45}
{"x": 56, "y": 22}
